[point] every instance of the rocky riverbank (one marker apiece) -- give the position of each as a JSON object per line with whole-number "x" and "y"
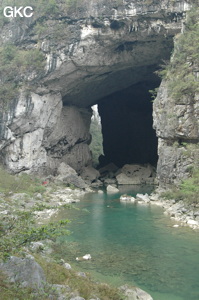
{"x": 32, "y": 268}
{"x": 181, "y": 212}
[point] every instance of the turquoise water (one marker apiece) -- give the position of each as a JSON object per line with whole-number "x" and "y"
{"x": 134, "y": 244}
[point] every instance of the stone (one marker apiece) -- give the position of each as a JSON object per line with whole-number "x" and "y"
{"x": 90, "y": 174}
{"x": 73, "y": 180}
{"x": 67, "y": 266}
{"x": 82, "y": 274}
{"x": 62, "y": 291}
{"x": 110, "y": 168}
{"x": 65, "y": 170}
{"x": 96, "y": 184}
{"x": 124, "y": 179}
{"x": 36, "y": 246}
{"x": 135, "y": 174}
{"x": 143, "y": 198}
{"x": 25, "y": 271}
{"x": 112, "y": 189}
{"x": 127, "y": 198}
{"x": 192, "y": 222}
{"x": 135, "y": 293}
{"x": 87, "y": 256}
{"x": 69, "y": 176}
{"x": 100, "y": 192}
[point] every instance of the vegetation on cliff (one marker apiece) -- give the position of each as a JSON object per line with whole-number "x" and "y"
{"x": 183, "y": 68}
{"x": 17, "y": 66}
{"x": 188, "y": 190}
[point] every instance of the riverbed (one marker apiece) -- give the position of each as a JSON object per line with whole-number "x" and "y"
{"x": 133, "y": 243}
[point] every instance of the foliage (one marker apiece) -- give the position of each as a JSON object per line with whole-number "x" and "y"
{"x": 188, "y": 190}
{"x": 13, "y": 63}
{"x": 96, "y": 143}
{"x": 180, "y": 73}
{"x": 56, "y": 274}
{"x": 153, "y": 93}
{"x": 19, "y": 228}
{"x": 11, "y": 291}
{"x": 19, "y": 184}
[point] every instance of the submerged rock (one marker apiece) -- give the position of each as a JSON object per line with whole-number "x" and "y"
{"x": 143, "y": 198}
{"x": 135, "y": 293}
{"x": 112, "y": 189}
{"x": 85, "y": 257}
{"x": 127, "y": 198}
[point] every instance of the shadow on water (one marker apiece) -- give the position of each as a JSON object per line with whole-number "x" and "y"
{"x": 134, "y": 244}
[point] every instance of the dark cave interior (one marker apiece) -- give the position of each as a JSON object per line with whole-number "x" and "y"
{"x": 126, "y": 117}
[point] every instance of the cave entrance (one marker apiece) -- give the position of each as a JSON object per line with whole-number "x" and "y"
{"x": 126, "y": 118}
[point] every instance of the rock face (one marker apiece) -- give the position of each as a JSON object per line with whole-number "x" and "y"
{"x": 40, "y": 133}
{"x": 177, "y": 127}
{"x": 25, "y": 271}
{"x": 93, "y": 52}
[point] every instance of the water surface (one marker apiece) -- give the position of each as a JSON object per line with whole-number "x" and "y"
{"x": 134, "y": 244}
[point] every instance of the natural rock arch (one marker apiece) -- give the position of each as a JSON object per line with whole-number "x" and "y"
{"x": 105, "y": 50}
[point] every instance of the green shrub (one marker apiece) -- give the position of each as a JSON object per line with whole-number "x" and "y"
{"x": 56, "y": 274}
{"x": 188, "y": 190}
{"x": 182, "y": 80}
{"x": 19, "y": 183}
{"x": 15, "y": 66}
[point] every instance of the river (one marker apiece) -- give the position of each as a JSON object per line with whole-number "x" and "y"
{"x": 134, "y": 244}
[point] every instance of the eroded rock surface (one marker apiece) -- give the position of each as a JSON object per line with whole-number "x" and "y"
{"x": 177, "y": 128}
{"x": 92, "y": 52}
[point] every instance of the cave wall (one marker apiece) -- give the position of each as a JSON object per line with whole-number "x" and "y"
{"x": 40, "y": 133}
{"x": 177, "y": 128}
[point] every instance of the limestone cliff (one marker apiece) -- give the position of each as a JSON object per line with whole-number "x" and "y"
{"x": 176, "y": 113}
{"x": 92, "y": 50}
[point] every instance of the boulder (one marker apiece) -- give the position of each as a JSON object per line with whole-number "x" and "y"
{"x": 143, "y": 198}
{"x": 67, "y": 266}
{"x": 25, "y": 271}
{"x": 124, "y": 179}
{"x": 65, "y": 170}
{"x": 69, "y": 176}
{"x": 135, "y": 174}
{"x": 112, "y": 189}
{"x": 90, "y": 174}
{"x": 81, "y": 274}
{"x": 96, "y": 184}
{"x": 110, "y": 181}
{"x": 127, "y": 198}
{"x": 135, "y": 293}
{"x": 110, "y": 168}
{"x": 100, "y": 192}
{"x": 192, "y": 222}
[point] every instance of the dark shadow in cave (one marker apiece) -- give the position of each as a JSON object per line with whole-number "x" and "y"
{"x": 126, "y": 116}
